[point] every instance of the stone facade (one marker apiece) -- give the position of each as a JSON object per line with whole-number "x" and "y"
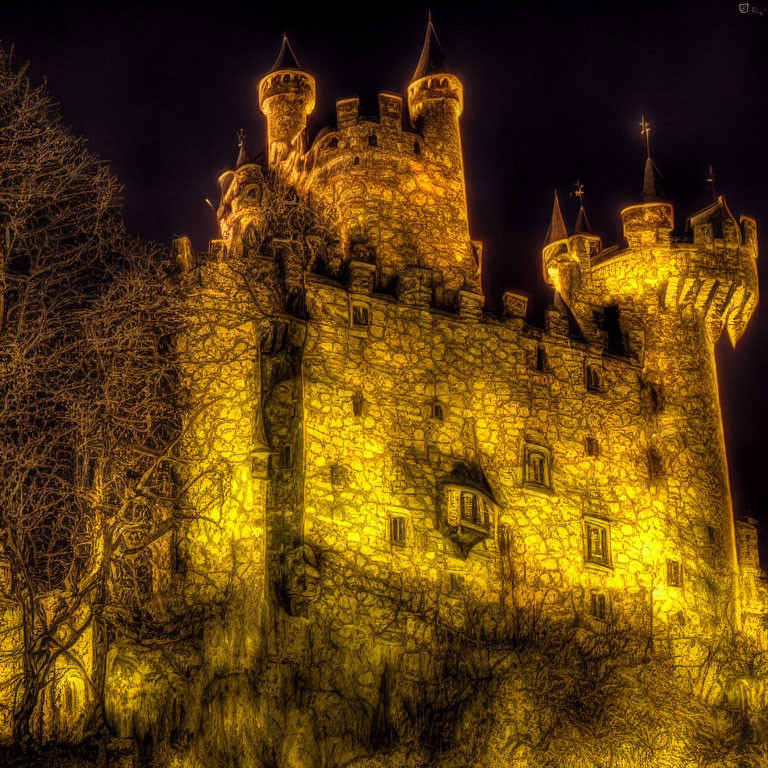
{"x": 396, "y": 442}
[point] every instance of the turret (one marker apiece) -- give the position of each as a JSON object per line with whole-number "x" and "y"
{"x": 652, "y": 220}
{"x": 287, "y": 98}
{"x": 435, "y": 101}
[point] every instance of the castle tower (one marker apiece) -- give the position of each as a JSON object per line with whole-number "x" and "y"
{"x": 287, "y": 98}
{"x": 436, "y": 100}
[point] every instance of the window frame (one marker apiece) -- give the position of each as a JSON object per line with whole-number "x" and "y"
{"x": 398, "y": 525}
{"x": 598, "y": 607}
{"x": 531, "y": 452}
{"x": 602, "y": 559}
{"x": 356, "y": 305}
{"x": 674, "y": 567}
{"x": 593, "y": 378}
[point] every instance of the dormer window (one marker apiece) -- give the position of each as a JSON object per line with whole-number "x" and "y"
{"x": 593, "y": 379}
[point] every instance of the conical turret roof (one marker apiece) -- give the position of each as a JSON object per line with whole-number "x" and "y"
{"x": 582, "y": 223}
{"x": 286, "y": 59}
{"x": 557, "y": 229}
{"x": 433, "y": 60}
{"x": 651, "y": 183}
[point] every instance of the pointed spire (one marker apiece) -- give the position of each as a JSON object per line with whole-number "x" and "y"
{"x": 651, "y": 183}
{"x": 651, "y": 177}
{"x": 582, "y": 222}
{"x": 432, "y": 60}
{"x": 286, "y": 59}
{"x": 557, "y": 229}
{"x": 242, "y": 154}
{"x": 583, "y": 226}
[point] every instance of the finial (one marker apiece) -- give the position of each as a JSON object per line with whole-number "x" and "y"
{"x": 557, "y": 229}
{"x": 582, "y": 222}
{"x": 645, "y": 130}
{"x": 242, "y": 154}
{"x": 432, "y": 60}
{"x": 711, "y": 181}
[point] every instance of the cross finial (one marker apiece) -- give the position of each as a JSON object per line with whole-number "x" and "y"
{"x": 711, "y": 181}
{"x": 645, "y": 130}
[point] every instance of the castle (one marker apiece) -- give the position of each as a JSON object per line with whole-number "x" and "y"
{"x": 379, "y": 429}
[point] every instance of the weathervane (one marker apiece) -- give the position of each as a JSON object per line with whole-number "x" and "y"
{"x": 582, "y": 222}
{"x": 241, "y": 138}
{"x": 711, "y": 181}
{"x": 645, "y": 127}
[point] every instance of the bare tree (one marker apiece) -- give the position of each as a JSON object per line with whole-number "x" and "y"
{"x": 88, "y": 423}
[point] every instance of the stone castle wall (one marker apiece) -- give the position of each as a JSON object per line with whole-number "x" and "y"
{"x": 374, "y": 449}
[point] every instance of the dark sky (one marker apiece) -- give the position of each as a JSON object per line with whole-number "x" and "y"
{"x": 553, "y": 91}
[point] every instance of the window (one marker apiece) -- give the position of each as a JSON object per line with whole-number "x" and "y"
{"x": 711, "y": 535}
{"x": 286, "y": 456}
{"x": 179, "y": 547}
{"x": 416, "y": 148}
{"x": 358, "y": 403}
{"x": 593, "y": 447}
{"x": 657, "y": 398}
{"x": 536, "y": 466}
{"x": 397, "y": 530}
{"x": 541, "y": 358}
{"x": 597, "y": 543}
{"x": 597, "y": 607}
{"x": 593, "y": 379}
{"x": 674, "y": 573}
{"x": 655, "y": 466}
{"x": 437, "y": 411}
{"x": 505, "y": 541}
{"x": 373, "y": 140}
{"x": 356, "y": 161}
{"x": 474, "y": 510}
{"x": 361, "y": 315}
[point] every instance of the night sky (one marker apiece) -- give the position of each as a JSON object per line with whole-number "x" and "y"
{"x": 553, "y": 92}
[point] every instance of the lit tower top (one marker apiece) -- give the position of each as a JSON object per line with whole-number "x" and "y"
{"x": 287, "y": 98}
{"x": 436, "y": 99}
{"x": 652, "y": 219}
